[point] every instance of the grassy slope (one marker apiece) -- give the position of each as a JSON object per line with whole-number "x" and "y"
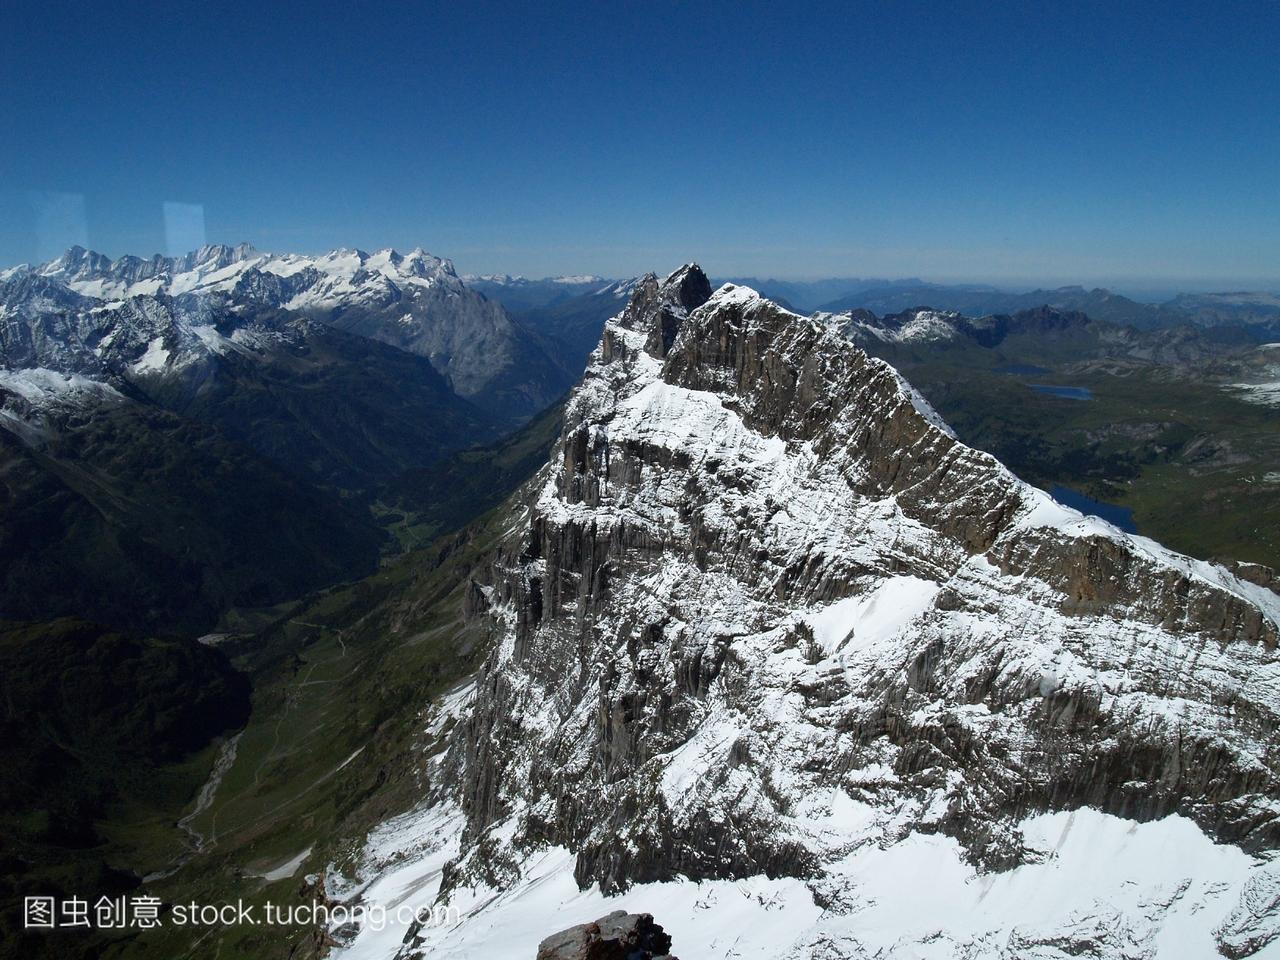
{"x": 341, "y": 683}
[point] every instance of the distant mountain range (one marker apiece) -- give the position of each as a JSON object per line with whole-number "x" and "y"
{"x": 1071, "y": 334}
{"x": 183, "y": 436}
{"x": 413, "y": 301}
{"x": 520, "y": 293}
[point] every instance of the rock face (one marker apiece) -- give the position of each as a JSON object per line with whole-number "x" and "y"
{"x": 617, "y": 936}
{"x": 763, "y": 615}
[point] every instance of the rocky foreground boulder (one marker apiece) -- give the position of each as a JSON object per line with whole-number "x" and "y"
{"x": 615, "y": 936}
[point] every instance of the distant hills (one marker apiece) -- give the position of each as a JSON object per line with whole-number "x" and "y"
{"x": 1257, "y": 312}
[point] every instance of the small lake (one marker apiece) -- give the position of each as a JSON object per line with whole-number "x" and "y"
{"x": 1122, "y": 517}
{"x": 1070, "y": 393}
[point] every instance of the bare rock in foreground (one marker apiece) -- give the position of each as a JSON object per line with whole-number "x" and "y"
{"x": 615, "y": 936}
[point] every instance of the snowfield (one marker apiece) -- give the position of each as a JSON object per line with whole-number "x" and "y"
{"x": 1157, "y": 890}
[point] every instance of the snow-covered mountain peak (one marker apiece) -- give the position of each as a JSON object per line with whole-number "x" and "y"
{"x": 76, "y": 261}
{"x": 215, "y": 256}
{"x": 764, "y": 626}
{"x": 737, "y": 293}
{"x": 218, "y": 268}
{"x": 416, "y": 263}
{"x": 415, "y": 302}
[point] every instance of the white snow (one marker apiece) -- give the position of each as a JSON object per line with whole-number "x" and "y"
{"x": 1162, "y": 885}
{"x": 39, "y": 384}
{"x": 927, "y": 325}
{"x": 339, "y": 267}
{"x": 923, "y": 406}
{"x": 621, "y": 289}
{"x": 730, "y": 293}
{"x": 287, "y": 869}
{"x": 868, "y": 618}
{"x": 451, "y": 706}
{"x": 154, "y": 359}
{"x": 1266, "y": 393}
{"x": 212, "y": 339}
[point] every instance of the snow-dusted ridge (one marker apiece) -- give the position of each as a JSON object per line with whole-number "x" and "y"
{"x": 414, "y": 301}
{"x": 219, "y": 268}
{"x": 59, "y": 348}
{"x": 912, "y": 326}
{"x": 782, "y": 661}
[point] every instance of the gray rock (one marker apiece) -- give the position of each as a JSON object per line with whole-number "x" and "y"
{"x": 616, "y": 936}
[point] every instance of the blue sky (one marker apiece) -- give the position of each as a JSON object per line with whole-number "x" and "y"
{"x": 1013, "y": 143}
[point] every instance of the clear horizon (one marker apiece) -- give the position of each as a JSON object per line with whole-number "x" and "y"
{"x": 1127, "y": 146}
{"x": 1151, "y": 289}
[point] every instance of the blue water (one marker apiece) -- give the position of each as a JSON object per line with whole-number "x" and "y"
{"x": 1122, "y": 517}
{"x": 1071, "y": 393}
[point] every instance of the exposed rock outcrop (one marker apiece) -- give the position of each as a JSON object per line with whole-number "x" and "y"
{"x": 616, "y": 936}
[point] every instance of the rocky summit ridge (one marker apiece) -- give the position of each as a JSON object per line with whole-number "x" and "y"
{"x": 776, "y": 657}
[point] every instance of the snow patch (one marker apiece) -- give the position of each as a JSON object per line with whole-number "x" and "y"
{"x": 286, "y": 869}
{"x": 39, "y": 384}
{"x": 154, "y": 360}
{"x": 1266, "y": 393}
{"x": 868, "y": 618}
